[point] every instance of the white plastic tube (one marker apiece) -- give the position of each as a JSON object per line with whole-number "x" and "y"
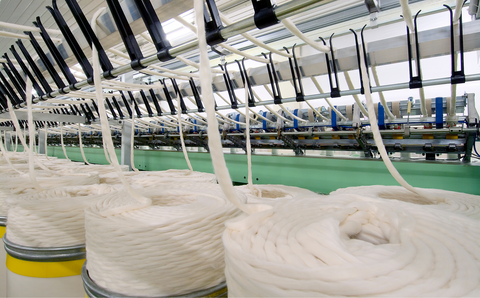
{"x": 223, "y": 45}
{"x": 355, "y": 96}
{"x": 31, "y": 132}
{"x": 214, "y": 141}
{"x": 180, "y": 132}
{"x": 382, "y": 97}
{"x": 378, "y": 138}
{"x": 255, "y": 40}
{"x": 80, "y": 143}
{"x": 27, "y": 28}
{"x": 407, "y": 14}
{"x": 141, "y": 201}
{"x": 61, "y": 141}
{"x": 294, "y": 30}
{"x": 132, "y": 141}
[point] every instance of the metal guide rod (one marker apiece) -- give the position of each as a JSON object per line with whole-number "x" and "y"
{"x": 433, "y": 82}
{"x": 282, "y": 12}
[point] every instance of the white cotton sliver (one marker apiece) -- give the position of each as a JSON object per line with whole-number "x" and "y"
{"x": 153, "y": 178}
{"x": 270, "y": 193}
{"x": 456, "y": 202}
{"x": 172, "y": 247}
{"x": 51, "y": 218}
{"x": 425, "y": 251}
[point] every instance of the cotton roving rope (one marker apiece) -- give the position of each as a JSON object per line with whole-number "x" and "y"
{"x": 457, "y": 202}
{"x": 172, "y": 247}
{"x": 52, "y": 218}
{"x": 153, "y": 178}
{"x": 350, "y": 245}
{"x": 272, "y": 193}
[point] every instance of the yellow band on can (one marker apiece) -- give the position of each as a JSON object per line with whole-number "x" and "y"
{"x": 44, "y": 269}
{"x": 218, "y": 293}
{"x": 2, "y": 231}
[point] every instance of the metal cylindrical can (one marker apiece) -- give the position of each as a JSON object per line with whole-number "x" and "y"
{"x": 44, "y": 271}
{"x": 3, "y": 256}
{"x": 95, "y": 291}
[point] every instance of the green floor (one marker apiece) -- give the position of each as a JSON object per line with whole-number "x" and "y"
{"x": 321, "y": 175}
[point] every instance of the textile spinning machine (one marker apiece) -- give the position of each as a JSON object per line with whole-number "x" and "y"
{"x": 296, "y": 64}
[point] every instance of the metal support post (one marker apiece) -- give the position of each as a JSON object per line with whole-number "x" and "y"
{"x": 41, "y": 141}
{"x": 8, "y": 141}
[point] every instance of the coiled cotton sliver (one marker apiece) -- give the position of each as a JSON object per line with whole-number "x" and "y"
{"x": 51, "y": 218}
{"x": 24, "y": 186}
{"x": 16, "y": 184}
{"x": 172, "y": 247}
{"x": 347, "y": 245}
{"x": 457, "y": 202}
{"x": 172, "y": 176}
{"x": 152, "y": 178}
{"x": 271, "y": 193}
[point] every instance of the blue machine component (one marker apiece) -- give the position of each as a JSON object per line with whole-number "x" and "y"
{"x": 381, "y": 116}
{"x": 264, "y": 122}
{"x": 439, "y": 112}
{"x": 295, "y": 121}
{"x": 237, "y": 118}
{"x": 334, "y": 119}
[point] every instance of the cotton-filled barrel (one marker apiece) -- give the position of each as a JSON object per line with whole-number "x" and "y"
{"x": 169, "y": 247}
{"x": 48, "y": 271}
{"x": 3, "y": 256}
{"x": 45, "y": 241}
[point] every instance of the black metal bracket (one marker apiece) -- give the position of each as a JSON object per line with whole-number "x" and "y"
{"x": 168, "y": 97}
{"x": 126, "y": 33}
{"x": 87, "y": 111}
{"x": 334, "y": 91}
{"x": 272, "y": 75}
{"x": 71, "y": 41}
{"x": 155, "y": 101}
{"x": 458, "y": 76}
{"x": 10, "y": 93}
{"x": 213, "y": 24}
{"x": 117, "y": 106}
{"x": 229, "y": 85}
{"x": 296, "y": 75}
{"x": 15, "y": 72}
{"x": 110, "y": 107}
{"x": 196, "y": 95}
{"x": 155, "y": 29}
{"x": 56, "y": 55}
{"x": 179, "y": 95}
{"x": 415, "y": 81}
{"x": 3, "y": 102}
{"x": 362, "y": 90}
{"x": 26, "y": 71}
{"x": 137, "y": 109}
{"x": 246, "y": 82}
{"x": 91, "y": 37}
{"x": 20, "y": 89}
{"x": 264, "y": 14}
{"x": 125, "y": 103}
{"x": 146, "y": 103}
{"x": 35, "y": 69}
{"x": 48, "y": 65}
{"x": 95, "y": 107}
